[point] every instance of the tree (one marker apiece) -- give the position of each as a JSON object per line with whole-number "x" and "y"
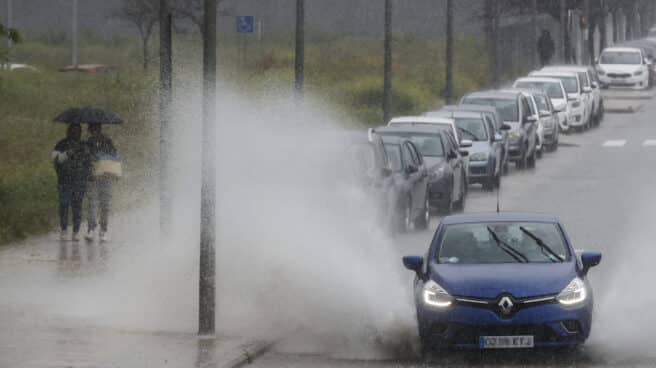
{"x": 143, "y": 14}
{"x": 448, "y": 95}
{"x": 192, "y": 10}
{"x": 10, "y": 34}
{"x": 299, "y": 54}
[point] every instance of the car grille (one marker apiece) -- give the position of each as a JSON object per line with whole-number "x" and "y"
{"x": 477, "y": 170}
{"x": 619, "y": 75}
{"x": 517, "y": 303}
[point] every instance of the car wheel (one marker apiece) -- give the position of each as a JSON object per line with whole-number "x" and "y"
{"x": 404, "y": 216}
{"x": 521, "y": 163}
{"x": 530, "y": 163}
{"x": 602, "y": 111}
{"x": 460, "y": 203}
{"x": 422, "y": 221}
{"x": 497, "y": 181}
{"x": 538, "y": 153}
{"x": 488, "y": 184}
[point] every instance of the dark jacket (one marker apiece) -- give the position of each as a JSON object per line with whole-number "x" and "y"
{"x": 72, "y": 162}
{"x": 101, "y": 147}
{"x": 546, "y": 47}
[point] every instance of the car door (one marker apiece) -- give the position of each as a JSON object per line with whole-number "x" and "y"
{"x": 421, "y": 188}
{"x": 497, "y": 145}
{"x": 456, "y": 165}
{"x": 528, "y": 128}
{"x": 412, "y": 175}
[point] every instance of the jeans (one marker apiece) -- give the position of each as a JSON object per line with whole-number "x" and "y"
{"x": 70, "y": 195}
{"x": 99, "y": 196}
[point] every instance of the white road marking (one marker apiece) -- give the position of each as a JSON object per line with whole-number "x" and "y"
{"x": 649, "y": 143}
{"x": 615, "y": 143}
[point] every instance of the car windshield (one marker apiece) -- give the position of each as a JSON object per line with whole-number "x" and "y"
{"x": 429, "y": 145}
{"x": 541, "y": 100}
{"x": 503, "y": 242}
{"x": 620, "y": 57}
{"x": 507, "y": 107}
{"x": 552, "y": 89}
{"x": 394, "y": 156}
{"x": 571, "y": 84}
{"x": 471, "y": 128}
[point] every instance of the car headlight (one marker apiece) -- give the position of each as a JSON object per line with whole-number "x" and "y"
{"x": 478, "y": 156}
{"x": 437, "y": 173}
{"x": 639, "y": 72}
{"x": 435, "y": 296}
{"x": 515, "y": 135}
{"x": 574, "y": 293}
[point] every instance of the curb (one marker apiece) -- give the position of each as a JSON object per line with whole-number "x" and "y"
{"x": 246, "y": 353}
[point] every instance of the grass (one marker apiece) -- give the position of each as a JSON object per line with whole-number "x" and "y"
{"x": 344, "y": 71}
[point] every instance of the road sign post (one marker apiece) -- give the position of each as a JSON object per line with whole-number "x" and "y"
{"x": 245, "y": 24}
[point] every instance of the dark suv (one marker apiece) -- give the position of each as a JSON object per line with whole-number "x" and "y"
{"x": 514, "y": 107}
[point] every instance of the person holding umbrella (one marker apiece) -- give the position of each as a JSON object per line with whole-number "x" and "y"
{"x": 101, "y": 164}
{"x": 71, "y": 160}
{"x": 99, "y": 187}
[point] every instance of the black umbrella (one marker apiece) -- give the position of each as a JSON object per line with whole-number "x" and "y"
{"x": 88, "y": 115}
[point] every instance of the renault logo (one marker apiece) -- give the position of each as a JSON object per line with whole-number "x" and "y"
{"x": 506, "y": 305}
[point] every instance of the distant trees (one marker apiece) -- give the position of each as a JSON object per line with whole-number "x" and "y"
{"x": 11, "y": 34}
{"x": 144, "y": 15}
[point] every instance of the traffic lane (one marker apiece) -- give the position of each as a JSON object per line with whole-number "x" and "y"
{"x": 592, "y": 188}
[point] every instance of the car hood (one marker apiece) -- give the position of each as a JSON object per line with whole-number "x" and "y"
{"x": 519, "y": 280}
{"x": 478, "y": 147}
{"x": 434, "y": 163}
{"x": 620, "y": 68}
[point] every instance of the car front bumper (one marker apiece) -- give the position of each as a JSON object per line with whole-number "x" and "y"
{"x": 480, "y": 172}
{"x": 461, "y": 326}
{"x": 632, "y": 82}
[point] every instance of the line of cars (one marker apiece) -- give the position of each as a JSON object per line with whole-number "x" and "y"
{"x": 432, "y": 159}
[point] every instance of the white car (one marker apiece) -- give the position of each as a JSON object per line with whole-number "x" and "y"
{"x": 419, "y": 120}
{"x": 555, "y": 90}
{"x": 591, "y": 90}
{"x": 623, "y": 67}
{"x": 578, "y": 109}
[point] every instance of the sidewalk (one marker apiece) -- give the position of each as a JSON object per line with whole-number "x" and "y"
{"x": 42, "y": 277}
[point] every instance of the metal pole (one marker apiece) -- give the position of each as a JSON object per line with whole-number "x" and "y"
{"x": 165, "y": 100}
{"x": 564, "y": 29}
{"x": 387, "y": 73}
{"x": 207, "y": 276}
{"x": 534, "y": 34}
{"x": 74, "y": 34}
{"x": 448, "y": 95}
{"x": 300, "y": 46}
{"x": 10, "y": 23}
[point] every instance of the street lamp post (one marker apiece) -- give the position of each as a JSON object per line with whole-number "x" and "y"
{"x": 207, "y": 273}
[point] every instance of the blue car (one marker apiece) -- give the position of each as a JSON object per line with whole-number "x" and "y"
{"x": 502, "y": 280}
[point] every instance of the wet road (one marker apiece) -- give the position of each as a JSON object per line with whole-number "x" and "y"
{"x": 601, "y": 185}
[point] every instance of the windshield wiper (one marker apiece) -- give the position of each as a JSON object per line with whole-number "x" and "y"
{"x": 470, "y": 133}
{"x": 543, "y": 247}
{"x": 517, "y": 255}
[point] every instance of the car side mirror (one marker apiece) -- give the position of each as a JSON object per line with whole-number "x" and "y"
{"x": 506, "y": 127}
{"x": 497, "y": 137}
{"x": 589, "y": 260}
{"x": 587, "y": 89}
{"x": 545, "y": 113}
{"x": 463, "y": 153}
{"x": 530, "y": 119}
{"x": 414, "y": 263}
{"x": 595, "y": 85}
{"x": 452, "y": 155}
{"x": 596, "y": 60}
{"x": 466, "y": 143}
{"x": 411, "y": 169}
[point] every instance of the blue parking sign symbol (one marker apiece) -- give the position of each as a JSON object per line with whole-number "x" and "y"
{"x": 245, "y": 24}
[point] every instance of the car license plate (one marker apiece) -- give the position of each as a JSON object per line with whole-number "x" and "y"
{"x": 505, "y": 342}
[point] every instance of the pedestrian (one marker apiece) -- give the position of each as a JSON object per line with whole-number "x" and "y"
{"x": 99, "y": 185}
{"x": 546, "y": 48}
{"x": 71, "y": 160}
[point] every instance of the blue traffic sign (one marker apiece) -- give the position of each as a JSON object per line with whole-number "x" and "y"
{"x": 245, "y": 24}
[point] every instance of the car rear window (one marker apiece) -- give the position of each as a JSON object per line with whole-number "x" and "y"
{"x": 503, "y": 242}
{"x": 507, "y": 107}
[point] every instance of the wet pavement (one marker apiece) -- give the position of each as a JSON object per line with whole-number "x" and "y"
{"x": 600, "y": 183}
